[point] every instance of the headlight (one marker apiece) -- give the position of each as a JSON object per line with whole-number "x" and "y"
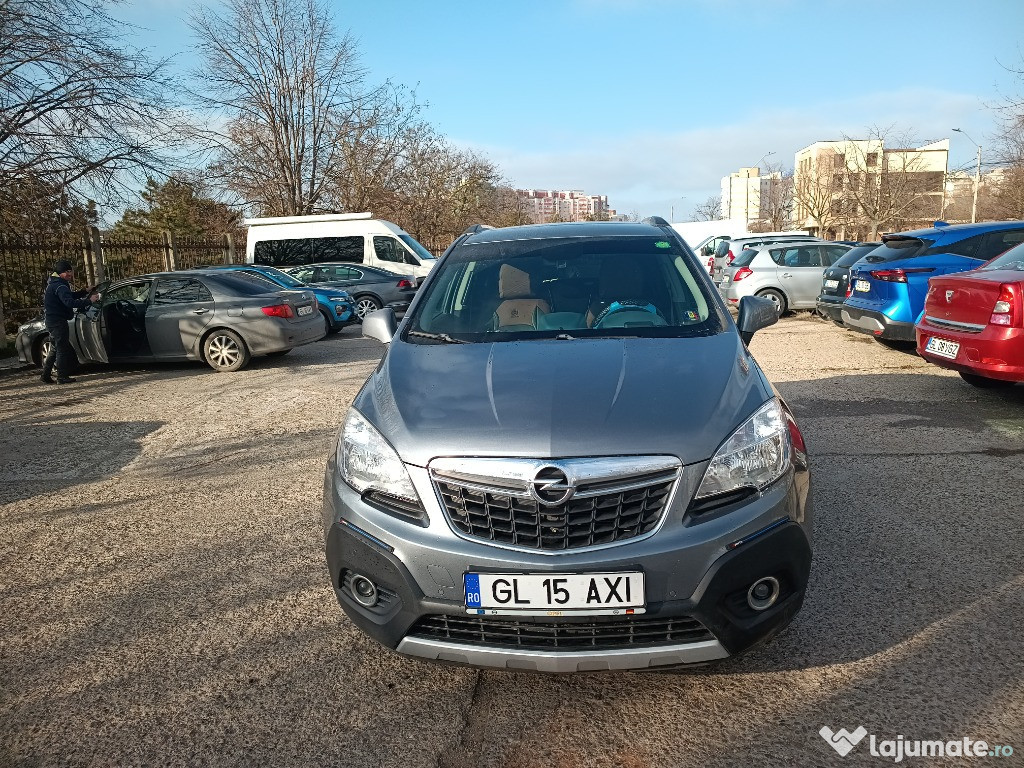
{"x": 337, "y": 298}
{"x": 756, "y": 454}
{"x": 368, "y": 463}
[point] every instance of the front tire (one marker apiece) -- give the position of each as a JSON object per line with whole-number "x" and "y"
{"x": 328, "y": 328}
{"x": 224, "y": 351}
{"x": 776, "y": 298}
{"x": 43, "y": 346}
{"x": 983, "y": 382}
{"x": 365, "y": 305}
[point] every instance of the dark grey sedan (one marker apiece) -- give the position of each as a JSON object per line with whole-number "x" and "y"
{"x": 371, "y": 288}
{"x": 215, "y": 318}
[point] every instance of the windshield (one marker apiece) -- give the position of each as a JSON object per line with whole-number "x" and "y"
{"x": 746, "y": 256}
{"x": 898, "y": 248}
{"x": 282, "y": 278}
{"x": 567, "y": 288}
{"x": 1012, "y": 259}
{"x": 854, "y": 255}
{"x": 418, "y": 249}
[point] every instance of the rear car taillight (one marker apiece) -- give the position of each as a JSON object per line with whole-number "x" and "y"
{"x": 278, "y": 310}
{"x": 711, "y": 264}
{"x": 1007, "y": 310}
{"x": 405, "y": 284}
{"x": 741, "y": 273}
{"x": 729, "y": 257}
{"x": 897, "y": 275}
{"x": 849, "y": 287}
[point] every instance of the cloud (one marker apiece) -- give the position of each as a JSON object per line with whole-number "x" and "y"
{"x": 654, "y": 171}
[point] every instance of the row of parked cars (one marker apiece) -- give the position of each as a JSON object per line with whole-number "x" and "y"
{"x": 954, "y": 290}
{"x": 222, "y": 315}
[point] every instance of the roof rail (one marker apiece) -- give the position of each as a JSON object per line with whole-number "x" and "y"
{"x": 656, "y": 221}
{"x": 307, "y": 219}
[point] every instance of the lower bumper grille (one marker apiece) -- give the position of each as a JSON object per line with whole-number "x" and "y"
{"x": 617, "y": 632}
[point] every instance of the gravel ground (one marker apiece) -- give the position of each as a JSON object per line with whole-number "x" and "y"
{"x": 164, "y": 601}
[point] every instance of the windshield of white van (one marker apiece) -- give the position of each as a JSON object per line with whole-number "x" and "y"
{"x": 418, "y": 249}
{"x": 566, "y": 288}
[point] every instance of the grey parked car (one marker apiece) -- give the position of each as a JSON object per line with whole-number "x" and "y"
{"x": 371, "y": 288}
{"x": 568, "y": 460}
{"x": 169, "y": 316}
{"x": 788, "y": 274}
{"x": 727, "y": 250}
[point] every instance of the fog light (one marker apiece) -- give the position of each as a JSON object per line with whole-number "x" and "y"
{"x": 364, "y": 591}
{"x": 763, "y": 593}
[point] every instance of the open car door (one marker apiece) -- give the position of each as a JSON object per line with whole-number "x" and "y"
{"x": 87, "y": 335}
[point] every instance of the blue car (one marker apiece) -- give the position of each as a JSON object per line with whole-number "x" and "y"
{"x": 334, "y": 304}
{"x": 888, "y": 286}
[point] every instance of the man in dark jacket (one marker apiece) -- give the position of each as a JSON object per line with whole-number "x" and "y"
{"x": 59, "y": 303}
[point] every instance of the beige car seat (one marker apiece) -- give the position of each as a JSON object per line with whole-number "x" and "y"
{"x": 519, "y": 307}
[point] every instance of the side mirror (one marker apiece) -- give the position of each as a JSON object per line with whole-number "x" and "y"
{"x": 755, "y": 313}
{"x": 381, "y": 325}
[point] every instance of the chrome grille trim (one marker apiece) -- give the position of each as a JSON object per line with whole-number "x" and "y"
{"x": 969, "y": 327}
{"x": 616, "y": 499}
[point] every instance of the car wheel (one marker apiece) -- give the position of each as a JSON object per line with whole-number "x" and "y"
{"x": 776, "y": 298}
{"x": 328, "y": 328}
{"x": 365, "y": 305}
{"x": 225, "y": 351}
{"x": 983, "y": 382}
{"x": 43, "y": 347}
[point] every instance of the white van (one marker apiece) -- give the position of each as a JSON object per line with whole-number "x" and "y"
{"x": 358, "y": 238}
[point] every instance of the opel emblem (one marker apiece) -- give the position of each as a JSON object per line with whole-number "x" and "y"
{"x": 949, "y": 296}
{"x": 551, "y": 486}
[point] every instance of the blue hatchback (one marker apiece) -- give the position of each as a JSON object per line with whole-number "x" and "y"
{"x": 887, "y": 287}
{"x": 334, "y": 304}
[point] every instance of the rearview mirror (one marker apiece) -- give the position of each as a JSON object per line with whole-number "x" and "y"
{"x": 755, "y": 313}
{"x": 381, "y": 325}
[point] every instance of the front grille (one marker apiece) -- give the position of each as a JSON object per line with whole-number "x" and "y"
{"x": 602, "y": 518}
{"x": 614, "y": 632}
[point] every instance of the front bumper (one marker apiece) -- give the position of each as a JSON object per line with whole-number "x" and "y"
{"x": 876, "y": 324}
{"x": 694, "y": 580}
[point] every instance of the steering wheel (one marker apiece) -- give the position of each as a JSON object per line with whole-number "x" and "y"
{"x": 626, "y": 305}
{"x": 127, "y": 310}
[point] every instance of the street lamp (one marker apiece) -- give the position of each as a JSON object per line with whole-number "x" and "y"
{"x": 977, "y": 176}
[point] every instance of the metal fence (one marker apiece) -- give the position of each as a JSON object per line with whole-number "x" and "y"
{"x": 27, "y": 261}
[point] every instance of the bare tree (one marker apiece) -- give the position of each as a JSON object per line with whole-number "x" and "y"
{"x": 818, "y": 184}
{"x": 776, "y": 205}
{"x": 79, "y": 109}
{"x": 287, "y": 83}
{"x": 709, "y": 210}
{"x": 887, "y": 188}
{"x": 1008, "y": 197}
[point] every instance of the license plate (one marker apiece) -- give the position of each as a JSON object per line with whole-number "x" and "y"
{"x": 862, "y": 285}
{"x": 552, "y": 594}
{"x": 831, "y": 283}
{"x": 942, "y": 348}
{"x": 305, "y": 311}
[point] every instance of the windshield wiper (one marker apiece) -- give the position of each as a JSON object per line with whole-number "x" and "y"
{"x": 437, "y": 337}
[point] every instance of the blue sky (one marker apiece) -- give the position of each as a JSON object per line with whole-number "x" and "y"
{"x": 652, "y": 101}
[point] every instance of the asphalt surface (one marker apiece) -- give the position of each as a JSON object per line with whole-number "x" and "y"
{"x": 164, "y": 600}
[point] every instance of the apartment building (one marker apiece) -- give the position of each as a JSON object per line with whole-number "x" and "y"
{"x": 857, "y": 189}
{"x": 743, "y": 192}
{"x": 544, "y": 205}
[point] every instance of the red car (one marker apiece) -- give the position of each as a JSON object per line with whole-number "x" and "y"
{"x": 973, "y": 322}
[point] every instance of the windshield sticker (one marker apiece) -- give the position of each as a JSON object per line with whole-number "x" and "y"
{"x": 662, "y": 244}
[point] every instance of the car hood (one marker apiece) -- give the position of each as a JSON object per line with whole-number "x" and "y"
{"x": 552, "y": 398}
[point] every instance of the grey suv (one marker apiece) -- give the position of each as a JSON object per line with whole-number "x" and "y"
{"x": 568, "y": 460}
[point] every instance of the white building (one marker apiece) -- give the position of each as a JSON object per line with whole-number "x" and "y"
{"x": 742, "y": 193}
{"x": 828, "y": 176}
